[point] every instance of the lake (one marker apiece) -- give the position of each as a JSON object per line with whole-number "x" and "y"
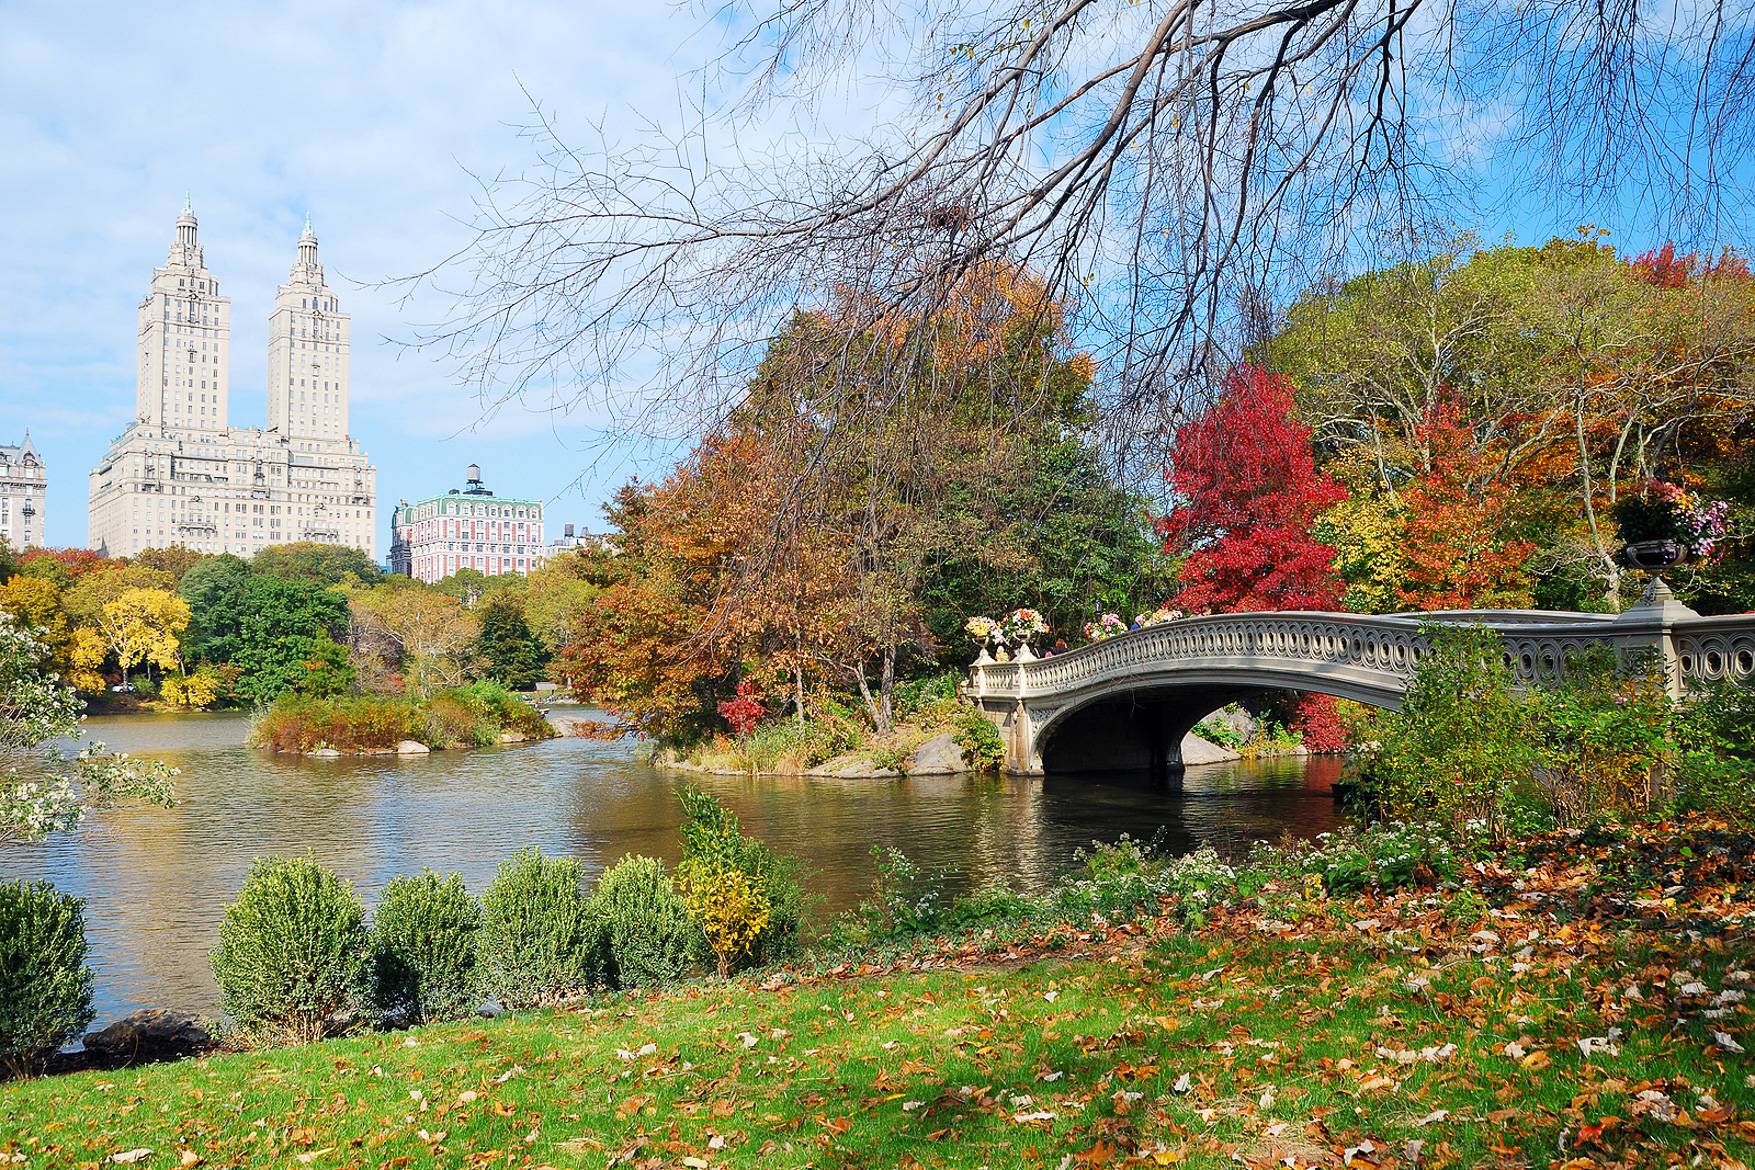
{"x": 156, "y": 880}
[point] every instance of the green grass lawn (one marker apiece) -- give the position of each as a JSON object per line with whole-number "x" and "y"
{"x": 1380, "y": 1031}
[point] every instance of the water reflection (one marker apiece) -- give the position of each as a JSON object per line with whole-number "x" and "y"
{"x": 156, "y": 880}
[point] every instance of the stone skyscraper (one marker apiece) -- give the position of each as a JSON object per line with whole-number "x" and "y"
{"x": 307, "y": 353}
{"x": 184, "y": 344}
{"x": 181, "y": 474}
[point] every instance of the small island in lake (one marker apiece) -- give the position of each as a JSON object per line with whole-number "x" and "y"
{"x": 478, "y": 715}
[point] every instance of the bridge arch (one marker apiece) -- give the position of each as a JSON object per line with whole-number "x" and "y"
{"x": 1133, "y": 725}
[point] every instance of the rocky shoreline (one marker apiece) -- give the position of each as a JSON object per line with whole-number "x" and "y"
{"x": 407, "y": 747}
{"x": 940, "y": 755}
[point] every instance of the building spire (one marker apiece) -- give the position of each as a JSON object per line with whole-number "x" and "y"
{"x": 186, "y": 226}
{"x": 308, "y": 246}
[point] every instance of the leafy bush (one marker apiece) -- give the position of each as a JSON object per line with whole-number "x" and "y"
{"x": 991, "y": 905}
{"x": 904, "y": 901}
{"x": 1213, "y": 731}
{"x": 302, "y": 723}
{"x": 424, "y": 950}
{"x": 498, "y": 710}
{"x": 1464, "y": 741}
{"x": 748, "y": 901}
{"x": 980, "y": 740}
{"x": 931, "y": 696}
{"x": 45, "y": 986}
{"x": 471, "y": 716}
{"x": 1605, "y": 739}
{"x": 292, "y": 951}
{"x": 1715, "y": 767}
{"x": 728, "y": 906}
{"x": 1114, "y": 882}
{"x": 449, "y": 719}
{"x": 1199, "y": 881}
{"x": 784, "y": 741}
{"x": 537, "y": 941}
{"x": 1382, "y": 857}
{"x": 647, "y": 938}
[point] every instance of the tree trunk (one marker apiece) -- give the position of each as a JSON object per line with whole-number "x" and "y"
{"x": 887, "y": 693}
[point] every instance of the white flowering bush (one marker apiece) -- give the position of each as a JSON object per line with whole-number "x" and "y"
{"x": 1115, "y": 883}
{"x": 43, "y": 789}
{"x": 1200, "y": 881}
{"x": 1384, "y": 857}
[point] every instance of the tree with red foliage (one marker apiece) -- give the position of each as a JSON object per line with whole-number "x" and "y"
{"x": 64, "y": 565}
{"x": 1667, "y": 268}
{"x": 1247, "y": 493}
{"x": 744, "y": 712}
{"x": 1458, "y": 513}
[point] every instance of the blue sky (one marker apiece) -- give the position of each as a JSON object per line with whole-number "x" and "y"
{"x": 375, "y": 119}
{"x": 370, "y": 118}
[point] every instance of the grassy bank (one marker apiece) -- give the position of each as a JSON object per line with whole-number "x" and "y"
{"x": 473, "y": 716}
{"x": 1554, "y": 1009}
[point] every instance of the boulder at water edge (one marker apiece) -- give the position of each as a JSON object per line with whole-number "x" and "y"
{"x": 941, "y": 755}
{"x": 412, "y": 747}
{"x": 148, "y": 1035}
{"x": 853, "y": 767}
{"x": 1196, "y": 750}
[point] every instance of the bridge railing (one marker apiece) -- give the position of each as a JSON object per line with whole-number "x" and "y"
{"x": 1378, "y": 654}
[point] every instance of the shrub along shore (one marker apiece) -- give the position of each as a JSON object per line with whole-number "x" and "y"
{"x": 934, "y": 734}
{"x": 477, "y": 715}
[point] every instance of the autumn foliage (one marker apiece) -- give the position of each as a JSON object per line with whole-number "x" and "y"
{"x": 1248, "y": 494}
{"x": 1460, "y": 513}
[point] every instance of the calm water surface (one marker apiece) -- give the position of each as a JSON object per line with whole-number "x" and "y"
{"x": 156, "y": 880}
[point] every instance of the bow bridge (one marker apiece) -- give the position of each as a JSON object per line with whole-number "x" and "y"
{"x": 1124, "y": 704}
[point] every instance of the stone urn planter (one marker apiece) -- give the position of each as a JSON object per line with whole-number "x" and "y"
{"x": 1653, "y": 556}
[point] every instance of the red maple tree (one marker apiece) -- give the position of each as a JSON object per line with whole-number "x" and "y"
{"x": 1247, "y": 494}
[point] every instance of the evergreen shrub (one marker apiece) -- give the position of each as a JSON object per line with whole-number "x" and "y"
{"x": 45, "y": 986}
{"x": 538, "y": 936}
{"x": 646, "y": 936}
{"x": 424, "y": 950}
{"x": 291, "y": 960}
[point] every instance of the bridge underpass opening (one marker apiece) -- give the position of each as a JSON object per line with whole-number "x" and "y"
{"x": 1134, "y": 732}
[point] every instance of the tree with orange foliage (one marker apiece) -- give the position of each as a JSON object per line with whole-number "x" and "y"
{"x": 853, "y": 496}
{"x": 1459, "y": 514}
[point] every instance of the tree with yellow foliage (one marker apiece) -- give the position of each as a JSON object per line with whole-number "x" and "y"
{"x": 76, "y": 653}
{"x": 141, "y": 625}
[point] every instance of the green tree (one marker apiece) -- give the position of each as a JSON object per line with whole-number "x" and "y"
{"x": 323, "y": 564}
{"x": 215, "y": 589}
{"x": 508, "y": 651}
{"x": 287, "y": 639}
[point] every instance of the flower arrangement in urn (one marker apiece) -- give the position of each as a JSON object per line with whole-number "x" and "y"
{"x": 1015, "y": 630}
{"x": 1108, "y": 626}
{"x": 982, "y": 629}
{"x": 1021, "y": 626}
{"x": 1160, "y": 616}
{"x": 1667, "y": 524}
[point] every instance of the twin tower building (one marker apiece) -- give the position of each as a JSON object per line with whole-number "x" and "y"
{"x": 182, "y": 474}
